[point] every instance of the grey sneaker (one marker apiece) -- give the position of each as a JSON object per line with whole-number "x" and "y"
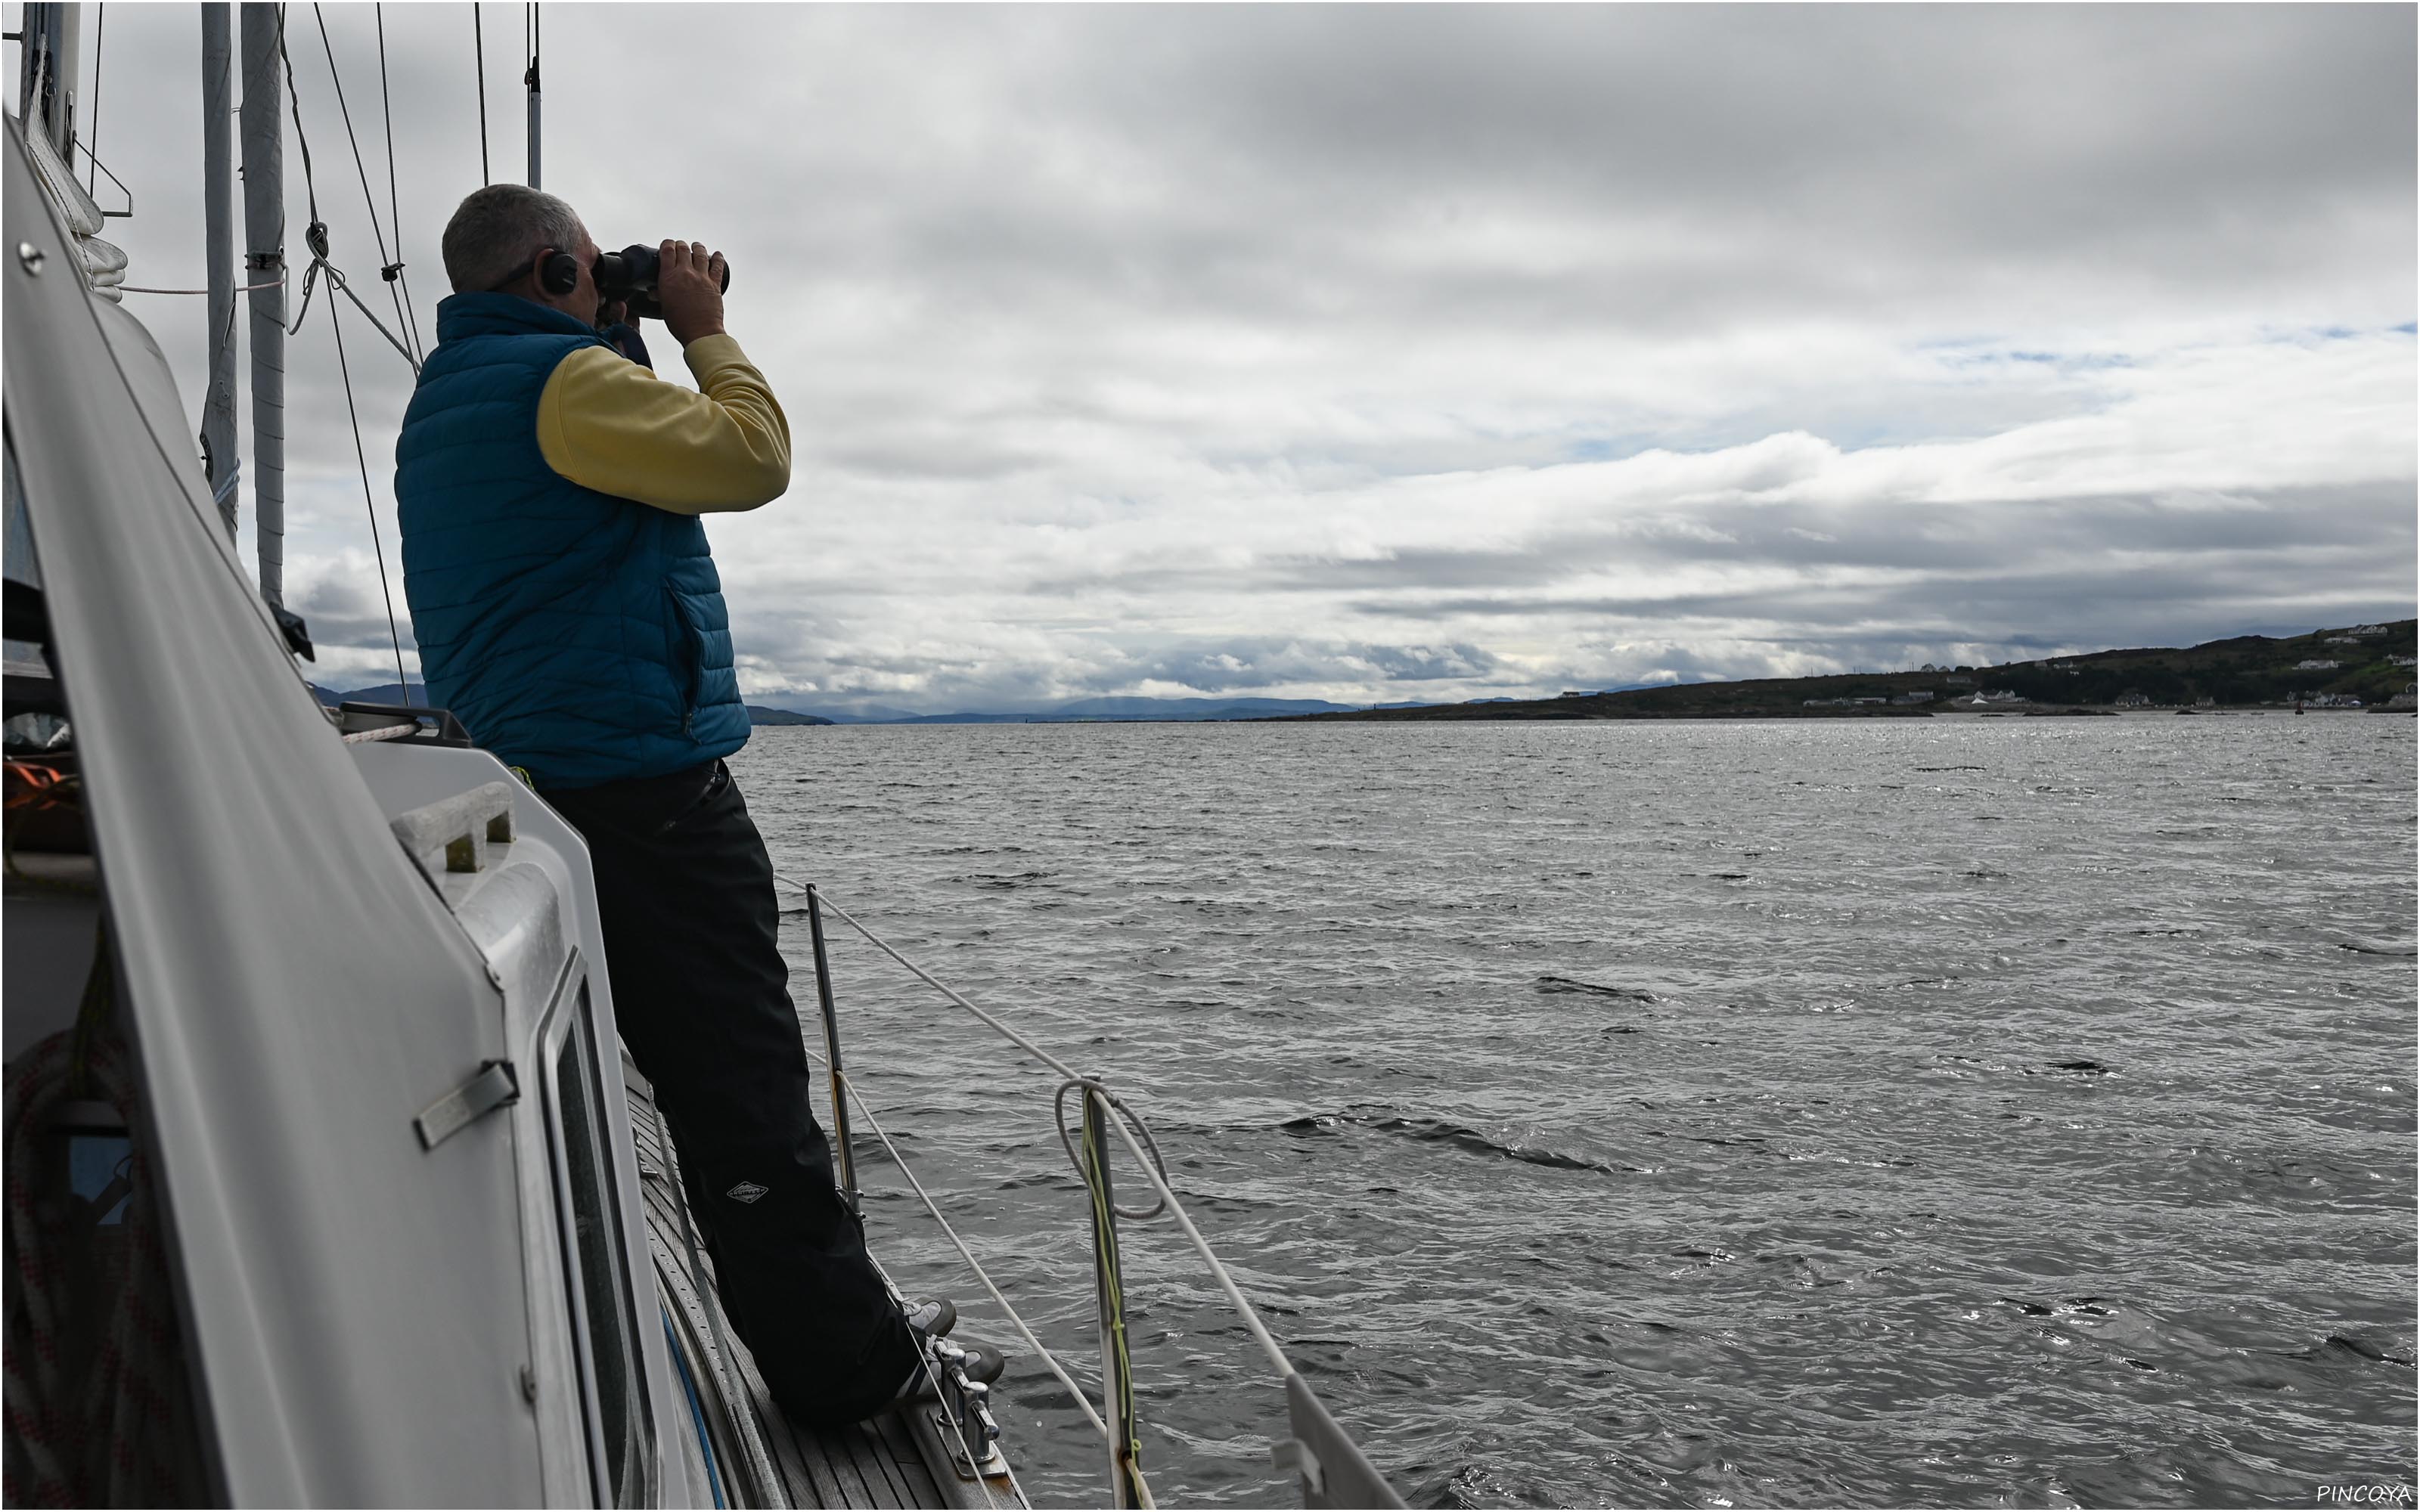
{"x": 933, "y": 1318}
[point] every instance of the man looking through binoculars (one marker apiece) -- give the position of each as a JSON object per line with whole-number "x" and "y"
{"x": 567, "y": 610}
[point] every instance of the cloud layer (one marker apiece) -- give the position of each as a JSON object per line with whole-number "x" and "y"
{"x": 1382, "y": 352}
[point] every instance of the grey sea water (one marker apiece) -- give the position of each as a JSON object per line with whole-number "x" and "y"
{"x": 1996, "y": 1112}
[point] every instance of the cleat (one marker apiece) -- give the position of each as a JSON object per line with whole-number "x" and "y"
{"x": 980, "y": 1364}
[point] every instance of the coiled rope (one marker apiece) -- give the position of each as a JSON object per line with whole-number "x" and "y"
{"x": 386, "y": 731}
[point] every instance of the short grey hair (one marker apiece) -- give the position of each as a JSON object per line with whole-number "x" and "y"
{"x": 498, "y": 230}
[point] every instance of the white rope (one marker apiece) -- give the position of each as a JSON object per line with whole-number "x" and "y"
{"x": 390, "y": 731}
{"x": 242, "y": 288}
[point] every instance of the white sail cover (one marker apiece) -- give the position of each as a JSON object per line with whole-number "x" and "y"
{"x": 294, "y": 989}
{"x": 103, "y": 263}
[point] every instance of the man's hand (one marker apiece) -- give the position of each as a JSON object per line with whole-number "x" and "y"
{"x": 688, "y": 286}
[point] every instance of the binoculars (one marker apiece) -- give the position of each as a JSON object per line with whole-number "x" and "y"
{"x": 629, "y": 275}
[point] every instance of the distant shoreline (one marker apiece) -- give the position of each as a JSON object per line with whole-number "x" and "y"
{"x": 2356, "y": 669}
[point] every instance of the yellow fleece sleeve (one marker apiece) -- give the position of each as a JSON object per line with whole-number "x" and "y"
{"x": 607, "y": 424}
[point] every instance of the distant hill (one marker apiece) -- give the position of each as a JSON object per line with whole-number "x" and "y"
{"x": 1120, "y": 710}
{"x": 758, "y": 714}
{"x": 382, "y": 693}
{"x": 2245, "y": 672}
{"x": 1117, "y": 709}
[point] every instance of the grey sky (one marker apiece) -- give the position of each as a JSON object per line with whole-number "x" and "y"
{"x": 1376, "y": 352}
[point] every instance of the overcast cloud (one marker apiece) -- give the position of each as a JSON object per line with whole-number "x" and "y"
{"x": 1379, "y": 354}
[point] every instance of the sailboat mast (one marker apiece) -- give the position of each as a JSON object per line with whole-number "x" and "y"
{"x": 264, "y": 230}
{"x": 218, "y": 206}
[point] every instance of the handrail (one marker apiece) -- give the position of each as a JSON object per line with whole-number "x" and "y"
{"x": 1370, "y": 1488}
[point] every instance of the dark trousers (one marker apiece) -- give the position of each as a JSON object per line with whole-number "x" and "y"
{"x": 701, "y": 997}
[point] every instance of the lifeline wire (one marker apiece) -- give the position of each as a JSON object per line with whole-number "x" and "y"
{"x": 924, "y": 1362}
{"x": 1073, "y": 1388}
{"x": 884, "y": 946}
{"x": 1176, "y": 1210}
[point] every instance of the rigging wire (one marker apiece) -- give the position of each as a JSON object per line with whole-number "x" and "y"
{"x": 317, "y": 236}
{"x": 479, "y": 51}
{"x": 336, "y": 323}
{"x": 337, "y": 281}
{"x": 92, "y": 137}
{"x": 369, "y": 196}
{"x": 310, "y": 185}
{"x": 394, "y": 205}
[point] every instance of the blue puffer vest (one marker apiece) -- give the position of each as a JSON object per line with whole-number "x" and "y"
{"x": 575, "y": 634}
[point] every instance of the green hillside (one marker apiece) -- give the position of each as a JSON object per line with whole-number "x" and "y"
{"x": 2247, "y": 672}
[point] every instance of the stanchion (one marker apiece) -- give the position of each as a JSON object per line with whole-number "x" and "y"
{"x": 1117, "y": 1367}
{"x": 844, "y": 1156}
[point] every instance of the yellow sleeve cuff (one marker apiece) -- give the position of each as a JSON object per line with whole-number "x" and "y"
{"x": 607, "y": 424}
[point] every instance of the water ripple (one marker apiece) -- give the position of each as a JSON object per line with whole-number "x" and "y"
{"x": 1959, "y": 1114}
